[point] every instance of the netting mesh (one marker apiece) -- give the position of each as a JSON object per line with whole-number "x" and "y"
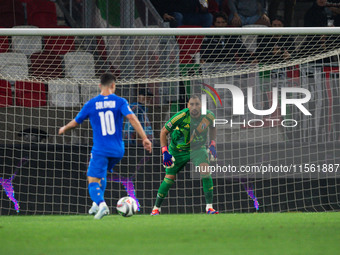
{"x": 143, "y": 59}
{"x": 45, "y": 80}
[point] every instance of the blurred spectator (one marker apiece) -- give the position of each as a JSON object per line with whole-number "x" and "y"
{"x": 222, "y": 48}
{"x": 219, "y": 2}
{"x": 224, "y": 7}
{"x": 316, "y": 16}
{"x": 275, "y": 48}
{"x": 316, "y": 45}
{"x": 140, "y": 110}
{"x": 334, "y": 7}
{"x": 248, "y": 12}
{"x": 288, "y": 10}
{"x": 213, "y": 7}
{"x": 188, "y": 12}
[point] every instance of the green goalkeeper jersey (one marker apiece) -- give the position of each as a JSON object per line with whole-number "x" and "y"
{"x": 189, "y": 133}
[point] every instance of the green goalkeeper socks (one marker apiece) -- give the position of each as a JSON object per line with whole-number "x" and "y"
{"x": 208, "y": 188}
{"x": 163, "y": 191}
{"x": 167, "y": 183}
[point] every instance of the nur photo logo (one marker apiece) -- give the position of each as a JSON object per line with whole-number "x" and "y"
{"x": 295, "y": 97}
{"x": 204, "y": 98}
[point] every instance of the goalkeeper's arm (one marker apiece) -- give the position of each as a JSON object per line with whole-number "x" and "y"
{"x": 212, "y": 133}
{"x": 163, "y": 138}
{"x": 168, "y": 159}
{"x": 212, "y": 144}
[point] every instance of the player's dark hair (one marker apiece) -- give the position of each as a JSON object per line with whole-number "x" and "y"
{"x": 107, "y": 78}
{"x": 220, "y": 15}
{"x": 195, "y": 96}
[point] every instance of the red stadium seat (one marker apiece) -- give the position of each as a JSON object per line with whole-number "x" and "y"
{"x": 59, "y": 45}
{"x": 41, "y": 13}
{"x": 293, "y": 72}
{"x": 189, "y": 46}
{"x": 101, "y": 48}
{"x": 6, "y": 98}
{"x": 30, "y": 94}
{"x": 4, "y": 44}
{"x": 12, "y": 13}
{"x": 45, "y": 65}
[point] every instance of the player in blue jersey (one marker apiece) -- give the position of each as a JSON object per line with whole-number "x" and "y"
{"x": 105, "y": 112}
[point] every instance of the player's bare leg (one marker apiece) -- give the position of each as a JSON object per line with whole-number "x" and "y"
{"x": 207, "y": 188}
{"x": 97, "y": 196}
{"x": 163, "y": 192}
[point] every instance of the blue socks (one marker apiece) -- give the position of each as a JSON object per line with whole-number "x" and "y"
{"x": 96, "y": 193}
{"x": 103, "y": 184}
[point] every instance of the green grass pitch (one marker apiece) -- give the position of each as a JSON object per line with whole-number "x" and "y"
{"x": 261, "y": 233}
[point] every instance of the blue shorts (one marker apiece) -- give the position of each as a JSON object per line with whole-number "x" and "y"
{"x": 99, "y": 165}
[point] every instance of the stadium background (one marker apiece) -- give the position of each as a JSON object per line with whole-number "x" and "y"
{"x": 53, "y": 181}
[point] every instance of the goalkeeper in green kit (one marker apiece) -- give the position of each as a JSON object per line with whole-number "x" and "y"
{"x": 189, "y": 132}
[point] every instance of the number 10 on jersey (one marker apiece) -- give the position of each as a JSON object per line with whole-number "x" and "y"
{"x": 107, "y": 122}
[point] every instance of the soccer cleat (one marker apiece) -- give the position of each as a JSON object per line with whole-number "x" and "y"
{"x": 103, "y": 210}
{"x": 94, "y": 209}
{"x": 155, "y": 212}
{"x": 212, "y": 211}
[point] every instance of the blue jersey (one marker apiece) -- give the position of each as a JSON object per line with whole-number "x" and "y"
{"x": 106, "y": 117}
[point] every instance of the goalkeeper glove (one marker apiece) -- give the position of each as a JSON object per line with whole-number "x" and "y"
{"x": 212, "y": 150}
{"x": 168, "y": 159}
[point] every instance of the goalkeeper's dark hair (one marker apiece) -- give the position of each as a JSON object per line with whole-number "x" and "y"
{"x": 195, "y": 96}
{"x": 107, "y": 78}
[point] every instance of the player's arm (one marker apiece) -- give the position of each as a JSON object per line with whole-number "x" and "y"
{"x": 81, "y": 116}
{"x": 140, "y": 131}
{"x": 70, "y": 125}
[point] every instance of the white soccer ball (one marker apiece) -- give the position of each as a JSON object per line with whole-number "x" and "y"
{"x": 126, "y": 206}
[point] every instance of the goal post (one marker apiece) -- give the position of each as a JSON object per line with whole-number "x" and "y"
{"x": 275, "y": 93}
{"x": 313, "y": 44}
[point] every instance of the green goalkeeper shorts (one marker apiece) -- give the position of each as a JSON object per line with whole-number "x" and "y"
{"x": 197, "y": 156}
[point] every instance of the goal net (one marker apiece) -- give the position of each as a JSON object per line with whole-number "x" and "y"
{"x": 275, "y": 94}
